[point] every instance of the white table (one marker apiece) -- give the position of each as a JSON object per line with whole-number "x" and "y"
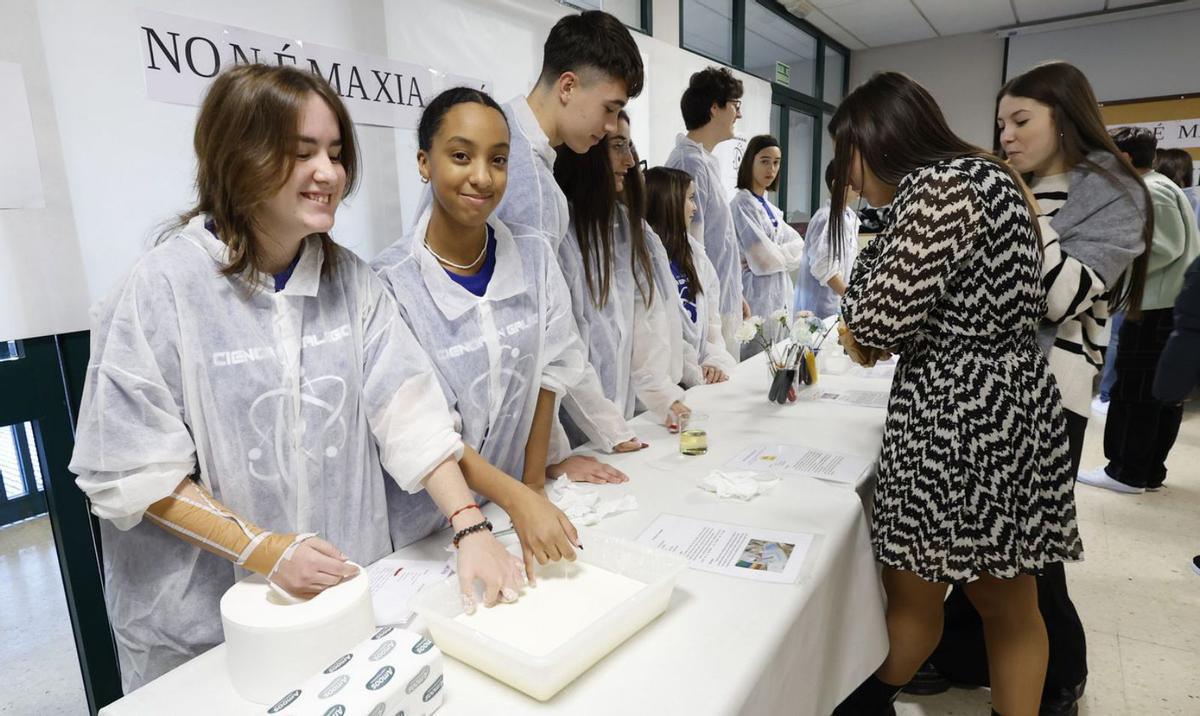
{"x": 724, "y": 645}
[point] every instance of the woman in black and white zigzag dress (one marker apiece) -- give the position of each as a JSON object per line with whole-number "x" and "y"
{"x": 974, "y": 476}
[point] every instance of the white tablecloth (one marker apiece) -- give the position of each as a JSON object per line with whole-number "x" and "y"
{"x": 724, "y": 645}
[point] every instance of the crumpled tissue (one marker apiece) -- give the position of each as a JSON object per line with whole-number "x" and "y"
{"x": 583, "y": 506}
{"x": 737, "y": 485}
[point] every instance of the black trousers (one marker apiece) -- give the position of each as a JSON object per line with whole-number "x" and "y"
{"x": 961, "y": 655}
{"x": 1140, "y": 431}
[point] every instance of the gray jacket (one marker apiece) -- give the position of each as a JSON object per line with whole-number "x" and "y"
{"x": 1101, "y": 224}
{"x": 1098, "y": 225}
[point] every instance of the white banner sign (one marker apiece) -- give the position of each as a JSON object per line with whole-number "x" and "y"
{"x": 1172, "y": 133}
{"x": 181, "y": 56}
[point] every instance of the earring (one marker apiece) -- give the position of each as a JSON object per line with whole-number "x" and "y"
{"x": 424, "y": 180}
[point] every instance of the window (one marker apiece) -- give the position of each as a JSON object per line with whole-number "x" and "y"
{"x": 10, "y": 350}
{"x": 707, "y": 28}
{"x": 826, "y": 156}
{"x": 21, "y": 487}
{"x": 776, "y": 130}
{"x": 634, "y": 13}
{"x": 771, "y": 41}
{"x": 835, "y": 76}
{"x": 799, "y": 159}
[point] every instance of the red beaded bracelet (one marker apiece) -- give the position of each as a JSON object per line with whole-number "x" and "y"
{"x": 461, "y": 510}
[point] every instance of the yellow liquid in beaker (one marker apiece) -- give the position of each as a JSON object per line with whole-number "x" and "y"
{"x": 693, "y": 441}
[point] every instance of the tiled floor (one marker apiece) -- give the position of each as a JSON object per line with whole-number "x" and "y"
{"x": 1135, "y": 591}
{"x": 38, "y": 667}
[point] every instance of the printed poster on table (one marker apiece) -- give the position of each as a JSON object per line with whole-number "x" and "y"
{"x": 745, "y": 552}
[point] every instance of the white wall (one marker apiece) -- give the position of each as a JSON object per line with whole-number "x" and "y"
{"x": 118, "y": 166}
{"x": 962, "y": 73}
{"x": 513, "y": 67}
{"x": 1147, "y": 57}
{"x": 129, "y": 159}
{"x": 42, "y": 286}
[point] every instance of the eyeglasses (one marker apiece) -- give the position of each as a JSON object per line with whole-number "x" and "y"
{"x": 642, "y": 165}
{"x": 620, "y": 146}
{"x": 737, "y": 104}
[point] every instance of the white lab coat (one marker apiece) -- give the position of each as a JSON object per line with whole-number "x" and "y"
{"x": 283, "y": 404}
{"x": 819, "y": 264}
{"x": 493, "y": 353}
{"x": 630, "y": 360}
{"x": 704, "y": 344}
{"x": 533, "y": 200}
{"x": 713, "y": 225}
{"x": 771, "y": 251}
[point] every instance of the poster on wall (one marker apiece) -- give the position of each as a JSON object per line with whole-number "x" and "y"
{"x": 20, "y": 173}
{"x": 729, "y": 156}
{"x": 1175, "y": 121}
{"x": 182, "y": 55}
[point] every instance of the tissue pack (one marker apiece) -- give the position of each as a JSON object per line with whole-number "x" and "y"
{"x": 393, "y": 672}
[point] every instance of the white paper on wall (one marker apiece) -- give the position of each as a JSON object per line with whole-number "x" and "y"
{"x": 20, "y": 175}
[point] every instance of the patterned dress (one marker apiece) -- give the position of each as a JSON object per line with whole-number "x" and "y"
{"x": 974, "y": 475}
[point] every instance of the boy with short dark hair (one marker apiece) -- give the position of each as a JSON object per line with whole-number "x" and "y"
{"x": 591, "y": 67}
{"x": 711, "y": 105}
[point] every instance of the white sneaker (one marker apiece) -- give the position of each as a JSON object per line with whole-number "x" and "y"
{"x": 1196, "y": 564}
{"x": 1099, "y": 407}
{"x": 1100, "y": 478}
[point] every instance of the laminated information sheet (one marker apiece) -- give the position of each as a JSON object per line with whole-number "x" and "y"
{"x": 799, "y": 461}
{"x": 733, "y": 550}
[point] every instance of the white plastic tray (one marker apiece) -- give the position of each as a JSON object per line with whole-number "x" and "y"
{"x": 543, "y": 677}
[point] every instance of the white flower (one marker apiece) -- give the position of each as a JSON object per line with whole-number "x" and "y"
{"x": 747, "y": 331}
{"x": 781, "y": 316}
{"x": 756, "y": 320}
{"x": 802, "y": 333}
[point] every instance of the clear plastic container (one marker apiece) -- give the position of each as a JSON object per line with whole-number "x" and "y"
{"x": 542, "y": 677}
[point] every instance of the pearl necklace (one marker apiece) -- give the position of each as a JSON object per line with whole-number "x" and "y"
{"x": 451, "y": 264}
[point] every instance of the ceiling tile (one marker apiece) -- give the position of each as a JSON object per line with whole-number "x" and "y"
{"x": 952, "y": 17}
{"x": 831, "y": 28}
{"x": 1038, "y": 10}
{"x": 882, "y": 22}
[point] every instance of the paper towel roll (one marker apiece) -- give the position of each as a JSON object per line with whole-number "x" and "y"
{"x": 272, "y": 643}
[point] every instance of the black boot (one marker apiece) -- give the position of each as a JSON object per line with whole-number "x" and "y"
{"x": 1062, "y": 700}
{"x": 872, "y": 698}
{"x": 927, "y": 681}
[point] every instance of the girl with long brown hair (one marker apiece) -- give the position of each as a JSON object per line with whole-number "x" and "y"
{"x": 609, "y": 271}
{"x": 974, "y": 486}
{"x": 251, "y": 373}
{"x": 670, "y": 203}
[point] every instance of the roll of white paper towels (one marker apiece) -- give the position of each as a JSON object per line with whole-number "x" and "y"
{"x": 273, "y": 643}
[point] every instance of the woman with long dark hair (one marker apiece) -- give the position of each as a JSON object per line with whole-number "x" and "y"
{"x": 771, "y": 248}
{"x": 974, "y": 483}
{"x": 670, "y": 203}
{"x": 1091, "y": 210}
{"x": 609, "y": 271}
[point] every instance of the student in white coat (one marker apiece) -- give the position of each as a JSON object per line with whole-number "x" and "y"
{"x": 590, "y": 68}
{"x": 493, "y": 312}
{"x": 711, "y": 105}
{"x": 825, "y": 269}
{"x": 670, "y": 203}
{"x": 658, "y": 345}
{"x": 608, "y": 268}
{"x": 771, "y": 248}
{"x": 246, "y": 382}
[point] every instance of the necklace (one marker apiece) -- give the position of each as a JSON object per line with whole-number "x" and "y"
{"x": 451, "y": 264}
